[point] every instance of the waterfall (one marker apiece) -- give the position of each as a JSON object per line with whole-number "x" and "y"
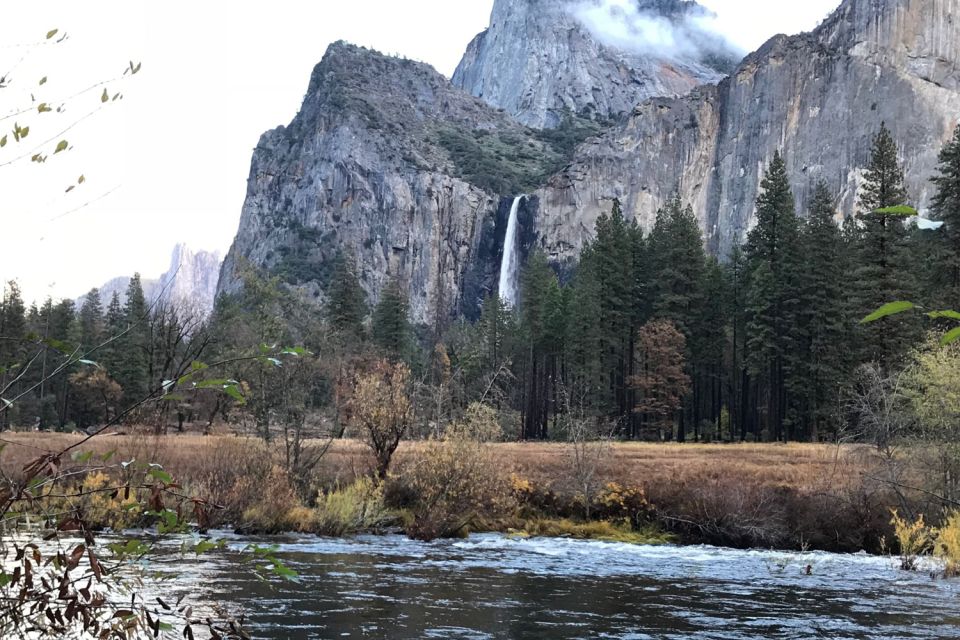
{"x": 511, "y": 258}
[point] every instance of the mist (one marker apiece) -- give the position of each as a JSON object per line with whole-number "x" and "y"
{"x": 688, "y": 34}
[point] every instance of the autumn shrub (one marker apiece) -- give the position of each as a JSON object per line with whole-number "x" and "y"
{"x": 627, "y": 504}
{"x": 457, "y": 482}
{"x": 276, "y": 508}
{"x": 355, "y": 508}
{"x": 914, "y": 538}
{"x": 105, "y": 506}
{"x": 947, "y": 545}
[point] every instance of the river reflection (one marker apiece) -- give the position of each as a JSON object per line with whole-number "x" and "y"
{"x": 494, "y": 587}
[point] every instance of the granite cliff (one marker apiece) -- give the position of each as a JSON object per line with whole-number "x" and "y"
{"x": 414, "y": 176}
{"x": 818, "y": 97}
{"x": 540, "y": 59}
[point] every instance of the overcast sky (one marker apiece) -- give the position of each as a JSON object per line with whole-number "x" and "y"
{"x": 168, "y": 163}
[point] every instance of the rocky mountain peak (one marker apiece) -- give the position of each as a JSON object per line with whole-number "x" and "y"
{"x": 540, "y": 59}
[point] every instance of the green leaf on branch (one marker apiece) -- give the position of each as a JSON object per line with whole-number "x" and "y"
{"x": 61, "y": 146}
{"x": 890, "y": 309}
{"x": 104, "y": 96}
{"x": 81, "y": 456}
{"x": 949, "y": 315}
{"x": 43, "y": 80}
{"x": 3, "y": 141}
{"x": 43, "y": 107}
{"x": 161, "y": 475}
{"x": 52, "y": 33}
{"x": 950, "y": 337}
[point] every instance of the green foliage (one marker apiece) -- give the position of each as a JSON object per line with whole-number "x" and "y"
{"x": 510, "y": 163}
{"x": 946, "y": 207}
{"x": 391, "y": 329}
{"x": 346, "y": 306}
{"x": 885, "y": 265}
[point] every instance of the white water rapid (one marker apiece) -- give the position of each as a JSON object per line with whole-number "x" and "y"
{"x": 511, "y": 258}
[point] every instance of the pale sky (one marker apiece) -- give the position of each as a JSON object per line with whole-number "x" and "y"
{"x": 168, "y": 163}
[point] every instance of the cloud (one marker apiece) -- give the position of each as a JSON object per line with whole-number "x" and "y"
{"x": 674, "y": 30}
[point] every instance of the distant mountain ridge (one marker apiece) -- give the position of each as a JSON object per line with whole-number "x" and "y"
{"x": 191, "y": 279}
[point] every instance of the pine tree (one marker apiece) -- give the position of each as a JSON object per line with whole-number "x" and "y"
{"x": 821, "y": 368}
{"x": 13, "y": 328}
{"x": 542, "y": 327}
{"x": 884, "y": 273}
{"x": 346, "y": 306}
{"x": 677, "y": 274}
{"x": 585, "y": 385}
{"x": 772, "y": 259}
{"x": 678, "y": 261}
{"x": 946, "y": 207}
{"x": 134, "y": 344}
{"x": 391, "y": 329}
{"x": 91, "y": 320}
{"x": 610, "y": 258}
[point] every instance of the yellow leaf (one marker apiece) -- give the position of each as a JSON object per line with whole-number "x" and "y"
{"x": 43, "y": 107}
{"x": 105, "y": 96}
{"x": 61, "y": 146}
{"x": 81, "y": 180}
{"x": 3, "y": 141}
{"x": 52, "y": 33}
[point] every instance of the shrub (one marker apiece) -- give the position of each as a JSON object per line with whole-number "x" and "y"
{"x": 355, "y": 508}
{"x": 275, "y": 508}
{"x": 947, "y": 545}
{"x": 915, "y": 540}
{"x": 103, "y": 507}
{"x": 630, "y": 504}
{"x": 457, "y": 483}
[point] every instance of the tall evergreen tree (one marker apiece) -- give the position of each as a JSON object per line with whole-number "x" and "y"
{"x": 677, "y": 275}
{"x": 13, "y": 329}
{"x": 884, "y": 273}
{"x": 391, "y": 329}
{"x": 542, "y": 326}
{"x": 820, "y": 317}
{"x": 946, "y": 207}
{"x": 91, "y": 320}
{"x": 346, "y": 306}
{"x": 772, "y": 262}
{"x": 134, "y": 344}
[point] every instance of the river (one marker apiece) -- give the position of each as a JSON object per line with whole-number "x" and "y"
{"x": 491, "y": 586}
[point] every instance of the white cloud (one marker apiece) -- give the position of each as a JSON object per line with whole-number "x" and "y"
{"x": 623, "y": 24}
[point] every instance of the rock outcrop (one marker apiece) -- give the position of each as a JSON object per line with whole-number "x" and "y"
{"x": 540, "y": 59}
{"x": 388, "y": 162}
{"x": 818, "y": 97}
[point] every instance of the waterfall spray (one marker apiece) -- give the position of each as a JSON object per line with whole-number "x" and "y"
{"x": 511, "y": 258}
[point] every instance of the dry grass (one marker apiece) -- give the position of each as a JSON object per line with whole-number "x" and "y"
{"x": 744, "y": 494}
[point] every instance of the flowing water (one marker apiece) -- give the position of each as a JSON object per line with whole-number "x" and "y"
{"x": 491, "y": 586}
{"x": 511, "y": 258}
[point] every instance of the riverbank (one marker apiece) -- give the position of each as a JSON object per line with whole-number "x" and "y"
{"x": 797, "y": 496}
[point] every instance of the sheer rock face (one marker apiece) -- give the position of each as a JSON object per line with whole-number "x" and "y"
{"x": 360, "y": 170}
{"x": 817, "y": 97}
{"x": 538, "y": 59}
